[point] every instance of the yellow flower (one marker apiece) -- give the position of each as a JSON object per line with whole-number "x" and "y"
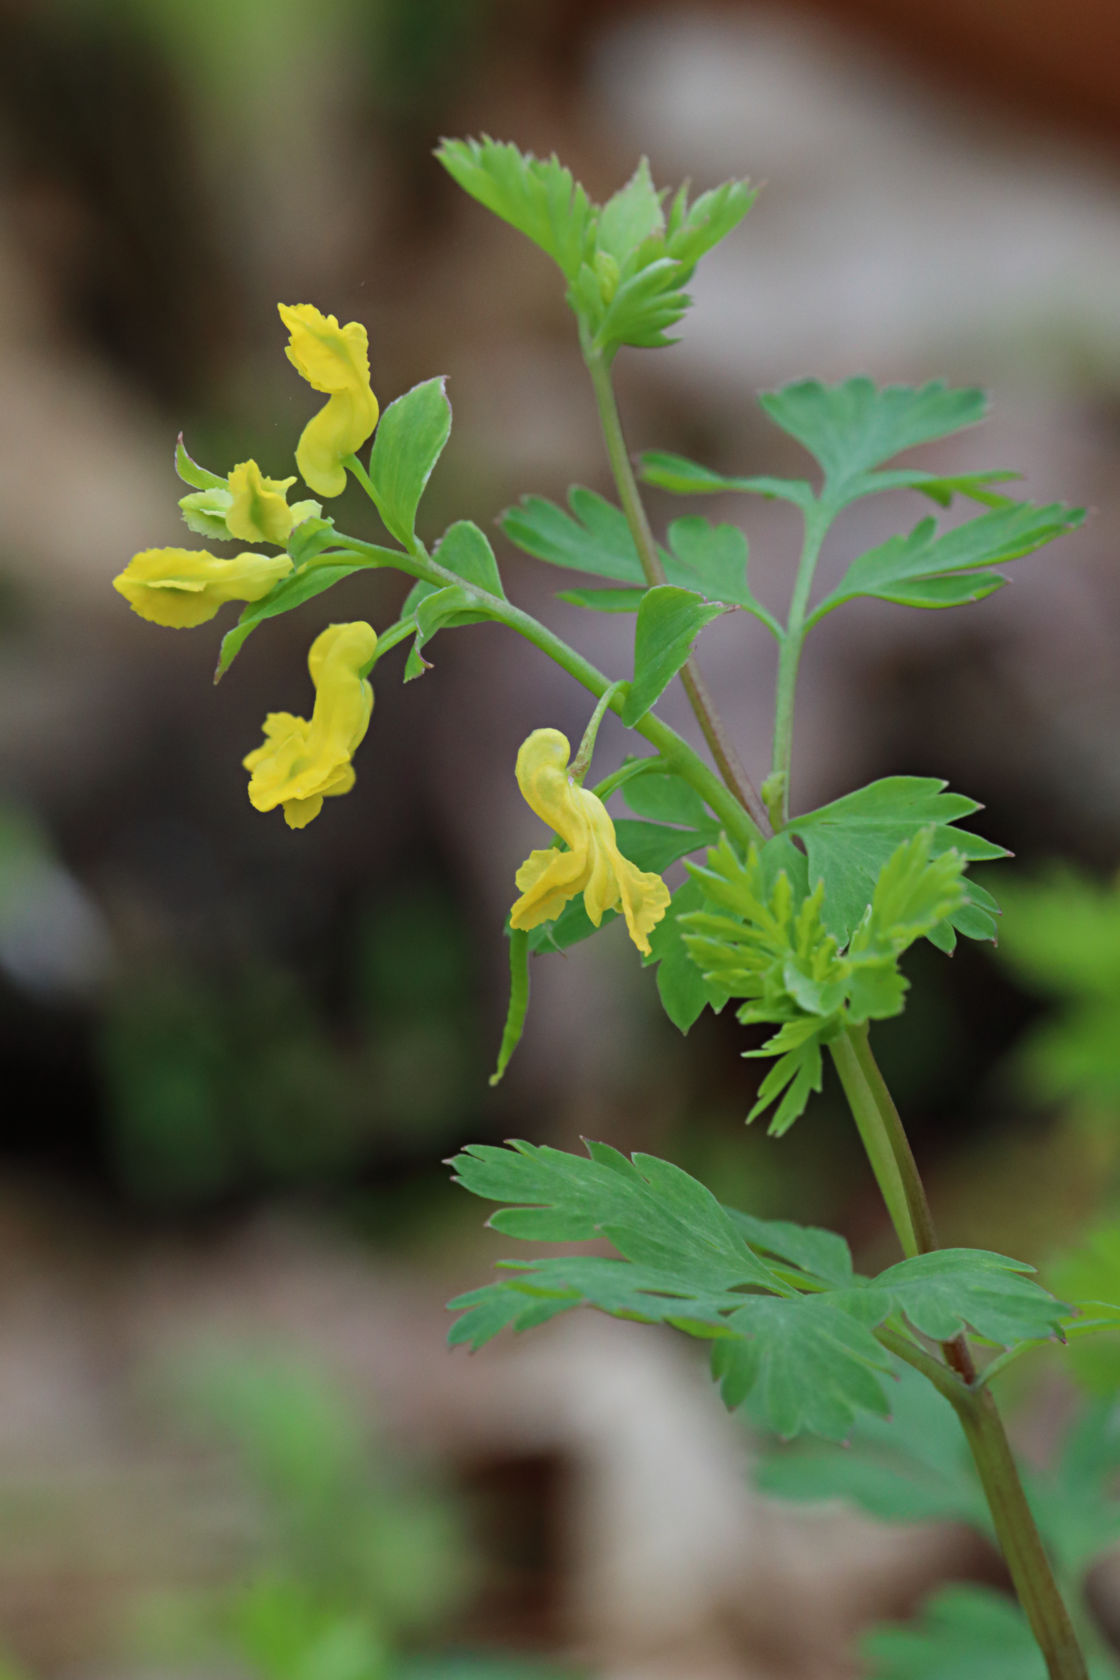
{"x": 336, "y": 360}
{"x": 182, "y": 587}
{"x": 300, "y": 763}
{"x": 248, "y": 507}
{"x": 592, "y": 865}
{"x": 258, "y": 510}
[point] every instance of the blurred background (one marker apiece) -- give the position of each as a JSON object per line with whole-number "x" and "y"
{"x": 232, "y": 1441}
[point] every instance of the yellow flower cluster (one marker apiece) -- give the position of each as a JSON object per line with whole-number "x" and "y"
{"x": 592, "y": 864}
{"x": 301, "y": 761}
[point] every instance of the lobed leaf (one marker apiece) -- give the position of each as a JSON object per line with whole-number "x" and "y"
{"x": 955, "y": 1289}
{"x": 538, "y": 196}
{"x": 923, "y": 568}
{"x": 631, "y": 216}
{"x": 849, "y": 841}
{"x": 855, "y": 425}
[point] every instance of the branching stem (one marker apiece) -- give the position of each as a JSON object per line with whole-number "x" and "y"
{"x": 719, "y": 742}
{"x": 818, "y": 517}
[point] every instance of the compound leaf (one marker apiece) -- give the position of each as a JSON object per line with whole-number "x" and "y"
{"x": 685, "y": 1261}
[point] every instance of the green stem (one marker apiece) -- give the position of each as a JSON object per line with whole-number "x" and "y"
{"x": 1018, "y": 1535}
{"x": 818, "y": 517}
{"x": 892, "y": 1161}
{"x": 864, "y": 1102}
{"x": 719, "y": 743}
{"x": 883, "y": 1120}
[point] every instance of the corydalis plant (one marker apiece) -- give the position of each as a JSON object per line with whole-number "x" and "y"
{"x": 802, "y": 917}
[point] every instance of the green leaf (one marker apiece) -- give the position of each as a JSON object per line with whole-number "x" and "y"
{"x": 631, "y": 216}
{"x": 666, "y": 798}
{"x": 466, "y": 551}
{"x": 445, "y": 609}
{"x": 850, "y": 840}
{"x": 409, "y": 440}
{"x": 812, "y": 1366}
{"x": 518, "y": 1001}
{"x": 593, "y": 538}
{"x": 1089, "y": 1275}
{"x": 794, "y": 1078}
{"x": 776, "y": 950}
{"x": 716, "y": 558}
{"x": 535, "y": 195}
{"x": 1075, "y": 1501}
{"x": 199, "y": 478}
{"x": 856, "y": 425}
{"x": 687, "y": 478}
{"x": 966, "y": 1632}
{"x": 640, "y": 312}
{"x": 669, "y": 620}
{"x": 292, "y": 591}
{"x": 311, "y": 537}
{"x": 683, "y": 990}
{"x": 906, "y": 567}
{"x": 204, "y": 513}
{"x": 643, "y": 1203}
{"x": 694, "y": 229}
{"x": 954, "y": 1289}
{"x": 939, "y": 487}
{"x": 912, "y": 1466}
{"x": 820, "y": 1254}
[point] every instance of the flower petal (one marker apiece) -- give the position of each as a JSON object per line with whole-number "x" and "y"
{"x": 182, "y": 587}
{"x": 593, "y": 864}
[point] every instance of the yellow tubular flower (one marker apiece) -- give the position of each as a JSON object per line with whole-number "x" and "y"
{"x": 301, "y": 763}
{"x": 182, "y": 587}
{"x": 333, "y": 359}
{"x": 592, "y": 865}
{"x": 258, "y": 511}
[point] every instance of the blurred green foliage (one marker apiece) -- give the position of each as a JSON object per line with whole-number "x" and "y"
{"x": 219, "y": 1081}
{"x": 1061, "y": 937}
{"x": 359, "y": 1558}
